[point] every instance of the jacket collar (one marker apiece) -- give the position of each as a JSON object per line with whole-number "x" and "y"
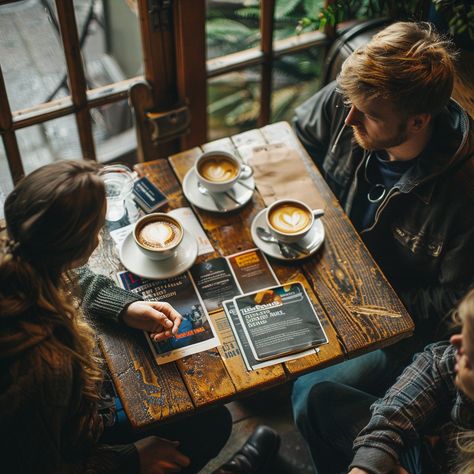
{"x": 450, "y": 136}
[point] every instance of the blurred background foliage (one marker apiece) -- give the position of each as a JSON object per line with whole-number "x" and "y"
{"x": 233, "y": 99}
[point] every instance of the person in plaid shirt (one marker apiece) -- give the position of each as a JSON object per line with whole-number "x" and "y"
{"x": 421, "y": 424}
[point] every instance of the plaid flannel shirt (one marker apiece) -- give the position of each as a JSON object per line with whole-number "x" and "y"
{"x": 423, "y": 393}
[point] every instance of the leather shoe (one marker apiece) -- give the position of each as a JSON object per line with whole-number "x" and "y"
{"x": 256, "y": 455}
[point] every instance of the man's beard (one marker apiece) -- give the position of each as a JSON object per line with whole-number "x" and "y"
{"x": 372, "y": 145}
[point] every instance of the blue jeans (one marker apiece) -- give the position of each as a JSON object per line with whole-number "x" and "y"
{"x": 372, "y": 373}
{"x": 336, "y": 414}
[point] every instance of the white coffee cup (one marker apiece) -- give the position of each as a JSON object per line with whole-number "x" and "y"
{"x": 289, "y": 220}
{"x": 158, "y": 235}
{"x": 218, "y": 171}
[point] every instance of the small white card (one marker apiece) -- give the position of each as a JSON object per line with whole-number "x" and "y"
{"x": 120, "y": 234}
{"x": 192, "y": 225}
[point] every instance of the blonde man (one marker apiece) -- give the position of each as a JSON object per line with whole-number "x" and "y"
{"x": 398, "y": 154}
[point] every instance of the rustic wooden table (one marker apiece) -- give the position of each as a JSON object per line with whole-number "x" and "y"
{"x": 358, "y": 308}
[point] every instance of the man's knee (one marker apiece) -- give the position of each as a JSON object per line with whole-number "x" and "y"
{"x": 321, "y": 402}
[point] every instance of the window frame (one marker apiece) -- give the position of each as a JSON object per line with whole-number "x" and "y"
{"x": 182, "y": 57}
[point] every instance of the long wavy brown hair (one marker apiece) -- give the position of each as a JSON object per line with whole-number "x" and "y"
{"x": 53, "y": 219}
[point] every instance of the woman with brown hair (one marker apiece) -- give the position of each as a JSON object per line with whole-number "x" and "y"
{"x": 50, "y": 372}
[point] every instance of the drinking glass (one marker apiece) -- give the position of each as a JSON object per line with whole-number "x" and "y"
{"x": 118, "y": 180}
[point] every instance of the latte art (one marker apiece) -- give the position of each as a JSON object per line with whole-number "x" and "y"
{"x": 159, "y": 234}
{"x": 289, "y": 218}
{"x": 218, "y": 169}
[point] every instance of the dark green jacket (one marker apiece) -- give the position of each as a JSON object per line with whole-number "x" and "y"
{"x": 423, "y": 234}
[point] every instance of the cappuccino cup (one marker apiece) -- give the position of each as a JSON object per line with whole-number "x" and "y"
{"x": 289, "y": 220}
{"x": 158, "y": 235}
{"x": 218, "y": 171}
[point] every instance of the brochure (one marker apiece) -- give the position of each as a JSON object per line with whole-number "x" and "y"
{"x": 252, "y": 270}
{"x": 279, "y": 321}
{"x": 199, "y": 292}
{"x": 195, "y": 333}
{"x": 215, "y": 282}
{"x": 244, "y": 348}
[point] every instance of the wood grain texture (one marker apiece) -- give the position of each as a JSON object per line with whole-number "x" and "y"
{"x": 231, "y": 234}
{"x": 149, "y": 393}
{"x": 204, "y": 374}
{"x": 355, "y": 294}
{"x": 357, "y": 307}
{"x": 229, "y": 351}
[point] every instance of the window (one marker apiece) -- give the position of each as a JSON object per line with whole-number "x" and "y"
{"x": 68, "y": 66}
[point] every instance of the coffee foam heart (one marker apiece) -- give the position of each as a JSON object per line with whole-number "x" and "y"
{"x": 218, "y": 169}
{"x": 289, "y": 218}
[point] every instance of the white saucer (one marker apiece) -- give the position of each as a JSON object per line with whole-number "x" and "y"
{"x": 311, "y": 241}
{"x": 239, "y": 195}
{"x": 135, "y": 261}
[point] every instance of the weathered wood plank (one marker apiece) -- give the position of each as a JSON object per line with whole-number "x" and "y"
{"x": 356, "y": 295}
{"x": 149, "y": 393}
{"x": 204, "y": 374}
{"x": 232, "y": 234}
{"x": 230, "y": 354}
{"x": 206, "y": 377}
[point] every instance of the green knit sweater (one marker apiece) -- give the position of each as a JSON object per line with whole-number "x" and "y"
{"x": 41, "y": 428}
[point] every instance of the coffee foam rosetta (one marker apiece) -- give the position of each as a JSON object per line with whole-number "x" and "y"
{"x": 158, "y": 234}
{"x": 289, "y": 218}
{"x": 218, "y": 169}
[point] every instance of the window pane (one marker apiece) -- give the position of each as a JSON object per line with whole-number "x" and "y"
{"x": 234, "y": 102}
{"x": 51, "y": 141}
{"x": 111, "y": 44}
{"x": 30, "y": 52}
{"x": 231, "y": 26}
{"x": 114, "y": 134}
{"x": 289, "y": 12}
{"x": 296, "y": 77}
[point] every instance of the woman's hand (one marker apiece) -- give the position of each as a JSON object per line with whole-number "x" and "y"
{"x": 160, "y": 456}
{"x": 158, "y": 318}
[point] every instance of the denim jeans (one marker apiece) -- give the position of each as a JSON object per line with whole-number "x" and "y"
{"x": 336, "y": 414}
{"x": 371, "y": 373}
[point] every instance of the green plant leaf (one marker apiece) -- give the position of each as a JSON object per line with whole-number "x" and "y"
{"x": 284, "y": 7}
{"x": 248, "y": 13}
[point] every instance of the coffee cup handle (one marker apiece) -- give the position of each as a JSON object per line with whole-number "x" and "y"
{"x": 245, "y": 172}
{"x": 317, "y": 213}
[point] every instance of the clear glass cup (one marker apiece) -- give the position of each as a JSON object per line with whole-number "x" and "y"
{"x": 118, "y": 180}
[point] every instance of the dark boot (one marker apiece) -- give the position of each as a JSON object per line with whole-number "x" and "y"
{"x": 256, "y": 455}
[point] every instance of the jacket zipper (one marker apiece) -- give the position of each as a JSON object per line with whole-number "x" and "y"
{"x": 393, "y": 192}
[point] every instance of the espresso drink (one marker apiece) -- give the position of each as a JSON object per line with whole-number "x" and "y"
{"x": 289, "y": 218}
{"x": 218, "y": 169}
{"x": 159, "y": 234}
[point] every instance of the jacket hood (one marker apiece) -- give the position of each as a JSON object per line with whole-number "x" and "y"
{"x": 451, "y": 147}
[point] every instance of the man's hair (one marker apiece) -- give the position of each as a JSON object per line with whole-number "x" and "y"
{"x": 409, "y": 64}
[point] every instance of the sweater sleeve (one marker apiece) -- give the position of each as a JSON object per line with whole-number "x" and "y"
{"x": 101, "y": 297}
{"x": 423, "y": 388}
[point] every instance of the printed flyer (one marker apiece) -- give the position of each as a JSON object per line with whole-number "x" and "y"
{"x": 279, "y": 321}
{"x": 195, "y": 333}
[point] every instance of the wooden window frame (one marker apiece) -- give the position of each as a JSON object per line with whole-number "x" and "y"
{"x": 173, "y": 78}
